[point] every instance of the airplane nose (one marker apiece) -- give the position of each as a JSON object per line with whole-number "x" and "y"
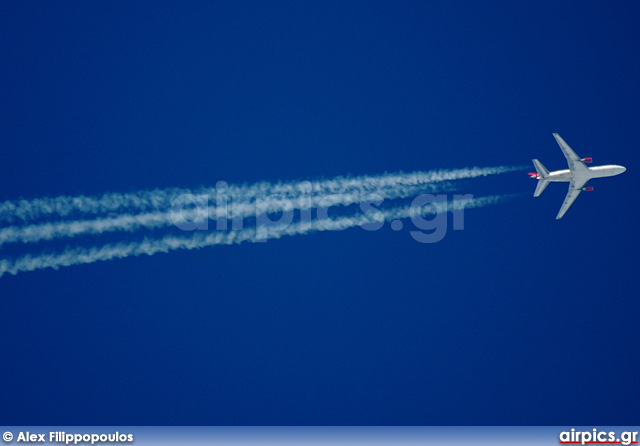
{"x": 623, "y": 169}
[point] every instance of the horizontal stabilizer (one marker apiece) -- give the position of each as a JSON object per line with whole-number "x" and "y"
{"x": 543, "y": 174}
{"x": 542, "y": 171}
{"x": 542, "y": 185}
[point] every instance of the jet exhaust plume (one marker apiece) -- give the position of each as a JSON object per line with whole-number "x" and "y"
{"x": 154, "y": 220}
{"x": 44, "y": 219}
{"x": 161, "y": 199}
{"x": 78, "y": 256}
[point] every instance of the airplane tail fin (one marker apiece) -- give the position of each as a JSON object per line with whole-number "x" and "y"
{"x": 543, "y": 175}
{"x": 542, "y": 171}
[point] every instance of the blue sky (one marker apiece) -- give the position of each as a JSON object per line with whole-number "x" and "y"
{"x": 518, "y": 319}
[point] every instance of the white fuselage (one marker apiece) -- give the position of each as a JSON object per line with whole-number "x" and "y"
{"x": 565, "y": 175}
{"x": 577, "y": 175}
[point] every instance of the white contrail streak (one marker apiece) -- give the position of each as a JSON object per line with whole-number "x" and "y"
{"x": 230, "y": 211}
{"x": 78, "y": 256}
{"x": 161, "y": 199}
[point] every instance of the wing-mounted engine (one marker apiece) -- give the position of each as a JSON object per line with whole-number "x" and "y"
{"x": 587, "y": 160}
{"x": 534, "y": 175}
{"x": 587, "y": 189}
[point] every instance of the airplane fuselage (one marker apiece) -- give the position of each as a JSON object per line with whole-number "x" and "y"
{"x": 577, "y": 175}
{"x": 565, "y": 175}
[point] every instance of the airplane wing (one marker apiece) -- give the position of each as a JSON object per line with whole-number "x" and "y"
{"x": 575, "y": 187}
{"x": 575, "y": 163}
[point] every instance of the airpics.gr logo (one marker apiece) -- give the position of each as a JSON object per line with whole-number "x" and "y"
{"x": 598, "y": 437}
{"x": 277, "y": 215}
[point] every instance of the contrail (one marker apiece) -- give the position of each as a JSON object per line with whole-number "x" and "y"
{"x": 230, "y": 211}
{"x": 161, "y": 199}
{"x": 78, "y": 256}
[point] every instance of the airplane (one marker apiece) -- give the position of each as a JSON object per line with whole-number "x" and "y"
{"x": 577, "y": 175}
